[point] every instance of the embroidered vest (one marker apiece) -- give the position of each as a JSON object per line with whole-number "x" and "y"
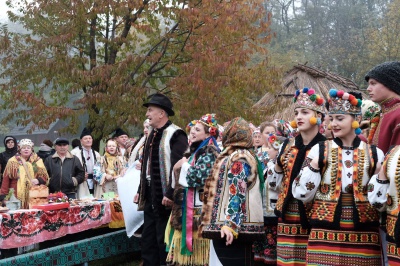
{"x": 217, "y": 194}
{"x": 165, "y": 156}
{"x": 392, "y": 163}
{"x": 326, "y": 210}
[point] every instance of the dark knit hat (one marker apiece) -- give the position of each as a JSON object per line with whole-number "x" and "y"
{"x": 161, "y": 101}
{"x": 388, "y": 74}
{"x": 48, "y": 142}
{"x": 119, "y": 132}
{"x": 86, "y": 132}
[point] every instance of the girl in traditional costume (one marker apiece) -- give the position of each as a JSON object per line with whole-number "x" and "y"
{"x": 344, "y": 225}
{"x": 266, "y": 129}
{"x": 110, "y": 168}
{"x": 265, "y": 250}
{"x": 293, "y": 228}
{"x": 185, "y": 246}
{"x": 23, "y": 171}
{"x": 384, "y": 194}
{"x": 232, "y": 206}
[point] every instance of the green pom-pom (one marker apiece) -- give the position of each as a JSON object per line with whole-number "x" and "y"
{"x": 359, "y": 103}
{"x": 313, "y": 97}
{"x": 294, "y": 99}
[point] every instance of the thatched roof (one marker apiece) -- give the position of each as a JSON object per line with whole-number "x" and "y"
{"x": 279, "y": 103}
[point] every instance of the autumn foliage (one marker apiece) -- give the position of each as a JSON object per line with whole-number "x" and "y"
{"x": 105, "y": 57}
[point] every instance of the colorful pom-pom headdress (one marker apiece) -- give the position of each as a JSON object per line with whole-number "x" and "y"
{"x": 341, "y": 102}
{"x": 307, "y": 98}
{"x": 210, "y": 120}
{"x": 190, "y": 125}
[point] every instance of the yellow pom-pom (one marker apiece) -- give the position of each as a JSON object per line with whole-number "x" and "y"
{"x": 313, "y": 120}
{"x": 355, "y": 125}
{"x": 293, "y": 124}
{"x": 329, "y": 127}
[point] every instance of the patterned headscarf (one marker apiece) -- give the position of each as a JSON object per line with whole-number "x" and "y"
{"x": 238, "y": 134}
{"x": 283, "y": 128}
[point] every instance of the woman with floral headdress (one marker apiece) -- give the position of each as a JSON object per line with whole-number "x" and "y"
{"x": 23, "y": 171}
{"x": 257, "y": 137}
{"x": 344, "y": 225}
{"x": 293, "y": 227}
{"x": 185, "y": 246}
{"x": 232, "y": 210}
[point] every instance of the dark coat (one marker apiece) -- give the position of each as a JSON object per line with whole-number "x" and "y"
{"x": 8, "y": 153}
{"x": 65, "y": 176}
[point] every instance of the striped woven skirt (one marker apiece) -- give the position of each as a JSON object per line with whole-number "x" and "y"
{"x": 347, "y": 246}
{"x": 292, "y": 238}
{"x": 393, "y": 254}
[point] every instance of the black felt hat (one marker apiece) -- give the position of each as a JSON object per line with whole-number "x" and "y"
{"x": 86, "y": 132}
{"x": 161, "y": 101}
{"x": 388, "y": 74}
{"x": 119, "y": 132}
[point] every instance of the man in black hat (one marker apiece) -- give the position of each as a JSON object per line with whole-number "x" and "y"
{"x": 64, "y": 169}
{"x": 121, "y": 137}
{"x": 384, "y": 89}
{"x": 88, "y": 158}
{"x": 164, "y": 147}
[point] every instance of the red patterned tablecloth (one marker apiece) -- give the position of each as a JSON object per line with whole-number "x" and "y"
{"x": 27, "y": 227}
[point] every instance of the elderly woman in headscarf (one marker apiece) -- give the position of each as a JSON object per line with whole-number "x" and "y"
{"x": 23, "y": 171}
{"x": 232, "y": 206}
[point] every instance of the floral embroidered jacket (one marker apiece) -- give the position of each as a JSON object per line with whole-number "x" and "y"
{"x": 233, "y": 197}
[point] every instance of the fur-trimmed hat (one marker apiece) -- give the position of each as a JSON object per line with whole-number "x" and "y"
{"x": 86, "y": 132}
{"x": 388, "y": 74}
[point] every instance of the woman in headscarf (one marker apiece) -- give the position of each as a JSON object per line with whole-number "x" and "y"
{"x": 186, "y": 247}
{"x": 10, "y": 144}
{"x": 23, "y": 171}
{"x": 293, "y": 227}
{"x": 344, "y": 225}
{"x": 232, "y": 207}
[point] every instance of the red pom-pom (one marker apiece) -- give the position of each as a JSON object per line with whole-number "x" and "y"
{"x": 354, "y": 102}
{"x": 340, "y": 94}
{"x": 351, "y": 97}
{"x": 319, "y": 101}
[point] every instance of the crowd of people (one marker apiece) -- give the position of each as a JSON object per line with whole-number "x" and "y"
{"x": 322, "y": 189}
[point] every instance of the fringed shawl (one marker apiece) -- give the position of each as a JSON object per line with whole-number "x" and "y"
{"x": 16, "y": 170}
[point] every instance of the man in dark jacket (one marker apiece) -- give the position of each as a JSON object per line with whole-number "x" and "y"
{"x": 163, "y": 149}
{"x": 10, "y": 143}
{"x": 64, "y": 169}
